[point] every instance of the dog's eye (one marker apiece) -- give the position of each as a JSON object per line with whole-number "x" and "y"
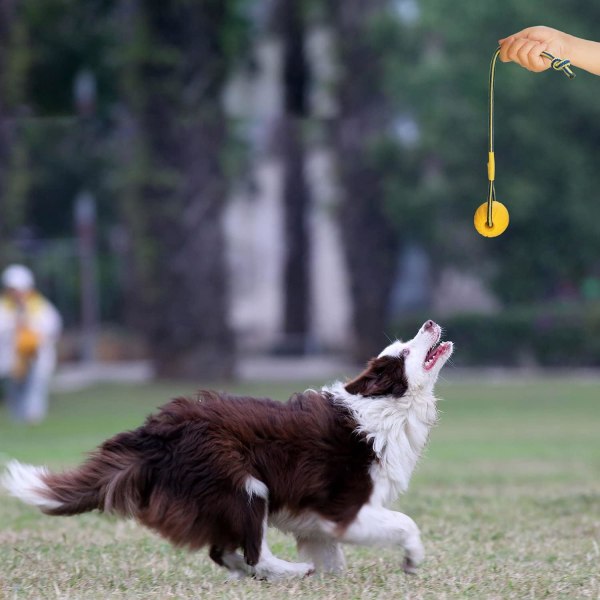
{"x": 405, "y": 353}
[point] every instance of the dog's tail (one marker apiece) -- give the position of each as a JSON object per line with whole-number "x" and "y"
{"x": 111, "y": 480}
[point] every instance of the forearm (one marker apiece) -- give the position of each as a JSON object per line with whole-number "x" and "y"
{"x": 584, "y": 54}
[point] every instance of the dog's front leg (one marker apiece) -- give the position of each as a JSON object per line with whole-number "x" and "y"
{"x": 325, "y": 553}
{"x": 376, "y": 525}
{"x": 272, "y": 568}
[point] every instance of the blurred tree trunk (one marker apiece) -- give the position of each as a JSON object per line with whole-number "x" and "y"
{"x": 296, "y": 197}
{"x": 15, "y": 172}
{"x": 370, "y": 240}
{"x": 178, "y": 191}
{"x": 6, "y": 121}
{"x": 6, "y": 15}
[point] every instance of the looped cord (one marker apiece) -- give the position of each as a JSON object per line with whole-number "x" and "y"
{"x": 558, "y": 64}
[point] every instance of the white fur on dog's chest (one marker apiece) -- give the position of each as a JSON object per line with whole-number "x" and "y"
{"x": 398, "y": 429}
{"x": 397, "y": 461}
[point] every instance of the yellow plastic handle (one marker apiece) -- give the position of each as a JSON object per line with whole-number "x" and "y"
{"x": 491, "y": 166}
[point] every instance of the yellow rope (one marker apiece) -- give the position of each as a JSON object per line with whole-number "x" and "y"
{"x": 558, "y": 64}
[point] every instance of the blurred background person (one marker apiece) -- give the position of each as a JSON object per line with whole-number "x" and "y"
{"x": 29, "y": 329}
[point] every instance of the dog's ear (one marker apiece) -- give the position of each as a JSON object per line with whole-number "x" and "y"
{"x": 383, "y": 376}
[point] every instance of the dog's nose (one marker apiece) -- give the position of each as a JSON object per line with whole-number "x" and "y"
{"x": 429, "y": 324}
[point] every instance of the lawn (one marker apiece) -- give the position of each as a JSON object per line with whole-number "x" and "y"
{"x": 507, "y": 497}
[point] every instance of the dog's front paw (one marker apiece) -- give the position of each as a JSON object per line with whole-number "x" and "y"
{"x": 236, "y": 576}
{"x": 301, "y": 570}
{"x": 310, "y": 571}
{"x": 409, "y": 566}
{"x": 415, "y": 554}
{"x": 276, "y": 569}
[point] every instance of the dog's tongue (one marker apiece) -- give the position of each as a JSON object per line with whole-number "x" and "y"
{"x": 432, "y": 352}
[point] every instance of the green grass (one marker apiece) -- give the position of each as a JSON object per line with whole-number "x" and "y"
{"x": 507, "y": 497}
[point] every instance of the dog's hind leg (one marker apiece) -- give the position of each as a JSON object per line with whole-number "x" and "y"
{"x": 267, "y": 567}
{"x": 246, "y": 513}
{"x": 247, "y": 518}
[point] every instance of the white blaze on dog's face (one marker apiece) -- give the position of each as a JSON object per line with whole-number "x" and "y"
{"x": 424, "y": 356}
{"x": 405, "y": 366}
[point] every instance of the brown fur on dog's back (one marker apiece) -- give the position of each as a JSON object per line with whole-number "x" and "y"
{"x": 184, "y": 472}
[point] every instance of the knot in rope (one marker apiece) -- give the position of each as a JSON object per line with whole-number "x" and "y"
{"x": 560, "y": 64}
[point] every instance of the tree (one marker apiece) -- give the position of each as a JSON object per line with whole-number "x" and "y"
{"x": 52, "y": 43}
{"x": 178, "y": 62}
{"x": 6, "y": 18}
{"x": 13, "y": 179}
{"x": 370, "y": 239}
{"x": 295, "y": 81}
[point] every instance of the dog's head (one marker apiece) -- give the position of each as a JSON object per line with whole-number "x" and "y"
{"x": 405, "y": 366}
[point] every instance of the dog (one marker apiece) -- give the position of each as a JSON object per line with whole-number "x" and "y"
{"x": 217, "y": 470}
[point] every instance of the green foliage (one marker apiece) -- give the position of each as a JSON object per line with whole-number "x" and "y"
{"x": 236, "y": 34}
{"x": 547, "y": 135}
{"x": 66, "y": 36}
{"x": 15, "y": 59}
{"x": 556, "y": 336}
{"x": 154, "y": 70}
{"x": 18, "y": 184}
{"x": 56, "y": 154}
{"x": 17, "y": 62}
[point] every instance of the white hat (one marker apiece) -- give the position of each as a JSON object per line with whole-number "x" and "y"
{"x": 18, "y": 277}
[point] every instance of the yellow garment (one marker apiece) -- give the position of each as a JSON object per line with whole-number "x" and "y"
{"x": 26, "y": 345}
{"x": 34, "y": 302}
{"x": 26, "y": 340}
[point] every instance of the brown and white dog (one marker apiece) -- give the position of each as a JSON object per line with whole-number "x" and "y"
{"x": 218, "y": 469}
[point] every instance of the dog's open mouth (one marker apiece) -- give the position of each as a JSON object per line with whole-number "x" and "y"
{"x": 435, "y": 353}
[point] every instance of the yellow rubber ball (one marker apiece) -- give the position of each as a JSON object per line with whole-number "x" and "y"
{"x": 500, "y": 219}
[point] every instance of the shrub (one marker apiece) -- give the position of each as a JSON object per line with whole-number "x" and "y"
{"x": 553, "y": 335}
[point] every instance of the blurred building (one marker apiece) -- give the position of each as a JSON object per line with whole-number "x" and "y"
{"x": 254, "y": 219}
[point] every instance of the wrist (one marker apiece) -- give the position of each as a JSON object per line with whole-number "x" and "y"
{"x": 584, "y": 54}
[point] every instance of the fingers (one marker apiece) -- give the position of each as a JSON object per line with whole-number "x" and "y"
{"x": 539, "y": 33}
{"x": 526, "y": 46}
{"x": 525, "y": 52}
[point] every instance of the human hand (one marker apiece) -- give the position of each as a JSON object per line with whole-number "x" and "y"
{"x": 526, "y": 46}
